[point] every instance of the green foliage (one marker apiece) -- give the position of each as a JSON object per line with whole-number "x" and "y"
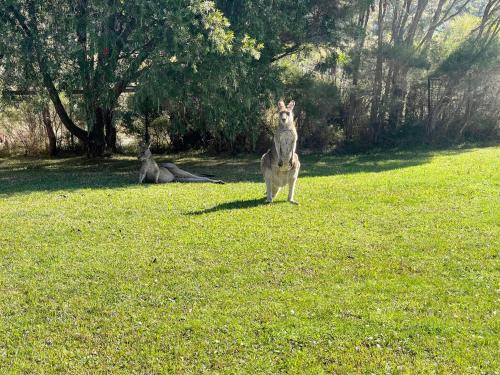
{"x": 389, "y": 263}
{"x": 100, "y": 47}
{"x": 318, "y": 108}
{"x": 250, "y": 46}
{"x": 209, "y": 64}
{"x": 407, "y": 56}
{"x": 224, "y": 98}
{"x": 215, "y": 23}
{"x": 216, "y": 69}
{"x": 474, "y": 53}
{"x": 454, "y": 35}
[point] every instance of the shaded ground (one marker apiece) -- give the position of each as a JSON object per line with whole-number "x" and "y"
{"x": 18, "y": 175}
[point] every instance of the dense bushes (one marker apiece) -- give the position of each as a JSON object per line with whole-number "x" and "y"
{"x": 209, "y": 75}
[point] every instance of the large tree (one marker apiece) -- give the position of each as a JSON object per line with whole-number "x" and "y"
{"x": 99, "y": 47}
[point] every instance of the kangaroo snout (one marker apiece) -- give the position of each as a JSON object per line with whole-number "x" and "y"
{"x": 280, "y": 163}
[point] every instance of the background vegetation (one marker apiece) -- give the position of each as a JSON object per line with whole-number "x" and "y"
{"x": 207, "y": 74}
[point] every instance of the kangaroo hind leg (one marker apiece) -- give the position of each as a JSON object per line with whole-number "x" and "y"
{"x": 184, "y": 176}
{"x": 275, "y": 190}
{"x": 269, "y": 192}
{"x": 291, "y": 189}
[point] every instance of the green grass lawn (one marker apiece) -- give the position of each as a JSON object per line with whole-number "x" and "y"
{"x": 388, "y": 265}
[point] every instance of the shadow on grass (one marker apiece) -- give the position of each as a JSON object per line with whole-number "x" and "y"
{"x": 234, "y": 205}
{"x": 30, "y": 175}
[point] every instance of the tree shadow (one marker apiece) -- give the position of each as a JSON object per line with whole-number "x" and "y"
{"x": 27, "y": 175}
{"x": 30, "y": 175}
{"x": 247, "y": 169}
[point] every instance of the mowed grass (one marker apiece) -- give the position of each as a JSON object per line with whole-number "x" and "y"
{"x": 388, "y": 265}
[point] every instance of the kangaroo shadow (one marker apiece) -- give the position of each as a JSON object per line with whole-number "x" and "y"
{"x": 233, "y": 205}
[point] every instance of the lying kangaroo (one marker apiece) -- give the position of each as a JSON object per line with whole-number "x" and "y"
{"x": 280, "y": 165}
{"x": 165, "y": 172}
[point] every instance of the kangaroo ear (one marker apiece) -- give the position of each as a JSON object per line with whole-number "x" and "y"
{"x": 281, "y": 105}
{"x": 148, "y": 145}
{"x": 291, "y": 105}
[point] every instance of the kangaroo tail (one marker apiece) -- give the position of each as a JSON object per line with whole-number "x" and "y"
{"x": 199, "y": 179}
{"x": 185, "y": 176}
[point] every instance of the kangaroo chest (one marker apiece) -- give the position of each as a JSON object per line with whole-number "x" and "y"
{"x": 285, "y": 141}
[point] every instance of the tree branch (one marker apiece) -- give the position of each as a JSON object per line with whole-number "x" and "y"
{"x": 30, "y": 34}
{"x": 289, "y": 51}
{"x": 133, "y": 72}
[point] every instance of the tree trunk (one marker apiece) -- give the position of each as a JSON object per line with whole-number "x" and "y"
{"x": 44, "y": 69}
{"x": 51, "y": 136}
{"x": 97, "y": 142}
{"x": 354, "y": 102}
{"x": 110, "y": 130}
{"x": 382, "y": 110}
{"x": 377, "y": 82}
{"x": 428, "y": 130}
{"x": 399, "y": 85}
{"x": 400, "y": 81}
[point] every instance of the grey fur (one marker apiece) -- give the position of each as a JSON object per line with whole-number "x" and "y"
{"x": 280, "y": 165}
{"x": 167, "y": 172}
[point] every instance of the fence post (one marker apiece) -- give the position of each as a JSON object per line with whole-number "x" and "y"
{"x": 429, "y": 107}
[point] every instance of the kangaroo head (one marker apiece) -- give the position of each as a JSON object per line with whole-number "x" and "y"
{"x": 286, "y": 113}
{"x": 144, "y": 151}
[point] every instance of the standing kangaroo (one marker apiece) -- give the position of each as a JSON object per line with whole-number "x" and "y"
{"x": 165, "y": 172}
{"x": 280, "y": 165}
